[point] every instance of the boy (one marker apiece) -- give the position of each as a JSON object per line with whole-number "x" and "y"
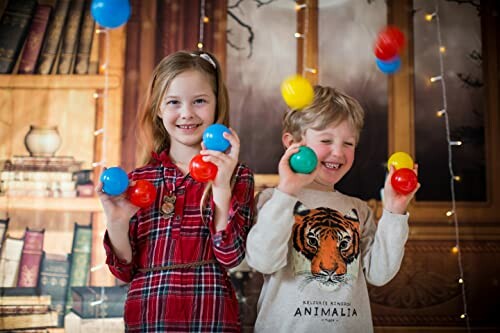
{"x": 317, "y": 247}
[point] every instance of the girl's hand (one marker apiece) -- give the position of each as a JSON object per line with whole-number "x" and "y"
{"x": 118, "y": 209}
{"x": 394, "y": 201}
{"x": 290, "y": 181}
{"x": 225, "y": 161}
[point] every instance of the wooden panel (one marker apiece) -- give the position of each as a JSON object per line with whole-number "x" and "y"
{"x": 307, "y": 47}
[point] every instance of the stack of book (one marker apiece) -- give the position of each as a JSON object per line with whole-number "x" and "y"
{"x": 25, "y": 308}
{"x": 23, "y": 263}
{"x": 96, "y": 309}
{"x": 39, "y": 176}
{"x": 48, "y": 37}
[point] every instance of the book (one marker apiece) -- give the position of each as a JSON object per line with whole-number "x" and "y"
{"x": 99, "y": 302}
{"x": 14, "y": 26}
{"x": 23, "y": 296}
{"x": 80, "y": 259}
{"x": 9, "y": 261}
{"x": 32, "y": 320}
{"x": 71, "y": 33}
{"x": 34, "y": 41}
{"x": 4, "y": 225}
{"x": 31, "y": 257}
{"x": 53, "y": 37}
{"x": 40, "y": 163}
{"x": 85, "y": 41}
{"x": 23, "y": 309}
{"x": 54, "y": 275}
{"x": 75, "y": 324}
{"x": 94, "y": 55}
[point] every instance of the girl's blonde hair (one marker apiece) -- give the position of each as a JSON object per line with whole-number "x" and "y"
{"x": 152, "y": 134}
{"x": 329, "y": 106}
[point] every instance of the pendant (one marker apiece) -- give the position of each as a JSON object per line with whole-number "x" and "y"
{"x": 168, "y": 206}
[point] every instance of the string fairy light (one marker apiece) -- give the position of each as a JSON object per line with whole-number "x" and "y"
{"x": 453, "y": 178}
{"x": 103, "y": 69}
{"x": 203, "y": 20}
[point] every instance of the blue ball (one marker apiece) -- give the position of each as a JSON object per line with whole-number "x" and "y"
{"x": 114, "y": 181}
{"x": 390, "y": 66}
{"x": 110, "y": 13}
{"x": 213, "y": 139}
{"x": 304, "y": 161}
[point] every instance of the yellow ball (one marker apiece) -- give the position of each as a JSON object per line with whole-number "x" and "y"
{"x": 400, "y": 160}
{"x": 297, "y": 92}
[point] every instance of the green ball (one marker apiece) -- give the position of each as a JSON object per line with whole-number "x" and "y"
{"x": 304, "y": 161}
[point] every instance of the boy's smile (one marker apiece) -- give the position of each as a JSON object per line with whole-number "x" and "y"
{"x": 335, "y": 147}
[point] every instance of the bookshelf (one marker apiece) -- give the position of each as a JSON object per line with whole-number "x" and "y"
{"x": 68, "y": 102}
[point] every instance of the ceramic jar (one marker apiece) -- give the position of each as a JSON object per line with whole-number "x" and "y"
{"x": 42, "y": 140}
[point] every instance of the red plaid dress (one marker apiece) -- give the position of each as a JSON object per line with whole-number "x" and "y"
{"x": 195, "y": 299}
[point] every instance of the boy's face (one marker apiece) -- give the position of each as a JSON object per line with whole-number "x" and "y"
{"x": 335, "y": 146}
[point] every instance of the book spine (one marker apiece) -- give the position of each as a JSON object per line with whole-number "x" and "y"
{"x": 4, "y": 224}
{"x": 30, "y": 258}
{"x": 35, "y": 39}
{"x": 23, "y": 309}
{"x": 85, "y": 41}
{"x": 9, "y": 261}
{"x": 14, "y": 26}
{"x": 80, "y": 259}
{"x": 54, "y": 274}
{"x": 51, "y": 42}
{"x": 70, "y": 37}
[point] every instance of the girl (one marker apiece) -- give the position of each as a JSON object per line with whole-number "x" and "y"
{"x": 175, "y": 253}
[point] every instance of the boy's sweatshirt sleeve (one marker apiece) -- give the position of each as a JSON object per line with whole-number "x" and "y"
{"x": 383, "y": 246}
{"x": 267, "y": 243}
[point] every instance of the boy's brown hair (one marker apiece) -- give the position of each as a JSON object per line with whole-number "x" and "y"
{"x": 329, "y": 106}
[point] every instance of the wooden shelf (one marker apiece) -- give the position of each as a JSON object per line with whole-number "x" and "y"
{"x": 51, "y": 204}
{"x": 58, "y": 81}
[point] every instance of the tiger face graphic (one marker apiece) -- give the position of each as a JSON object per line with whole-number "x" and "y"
{"x": 328, "y": 240}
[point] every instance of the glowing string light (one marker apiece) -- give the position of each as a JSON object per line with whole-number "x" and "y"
{"x": 203, "y": 20}
{"x": 451, "y": 213}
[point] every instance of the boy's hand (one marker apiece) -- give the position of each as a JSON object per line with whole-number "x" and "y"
{"x": 394, "y": 201}
{"x": 291, "y": 182}
{"x": 225, "y": 161}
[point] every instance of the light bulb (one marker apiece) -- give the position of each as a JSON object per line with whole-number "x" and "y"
{"x": 206, "y": 19}
{"x": 454, "y": 250}
{"x": 429, "y": 17}
{"x": 298, "y": 35}
{"x": 435, "y": 78}
{"x": 200, "y": 45}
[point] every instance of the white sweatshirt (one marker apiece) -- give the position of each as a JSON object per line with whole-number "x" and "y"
{"x": 315, "y": 273}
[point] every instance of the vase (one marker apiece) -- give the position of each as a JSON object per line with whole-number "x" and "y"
{"x": 42, "y": 140}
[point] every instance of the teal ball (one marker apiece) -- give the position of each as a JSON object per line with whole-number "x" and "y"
{"x": 304, "y": 161}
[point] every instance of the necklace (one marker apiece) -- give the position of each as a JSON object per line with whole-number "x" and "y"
{"x": 168, "y": 202}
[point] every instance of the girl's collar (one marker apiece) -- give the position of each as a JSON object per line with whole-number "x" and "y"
{"x": 162, "y": 158}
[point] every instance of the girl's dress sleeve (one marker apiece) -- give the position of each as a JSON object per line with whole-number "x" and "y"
{"x": 121, "y": 270}
{"x": 229, "y": 244}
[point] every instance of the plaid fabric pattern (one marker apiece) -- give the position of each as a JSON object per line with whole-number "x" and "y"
{"x": 196, "y": 299}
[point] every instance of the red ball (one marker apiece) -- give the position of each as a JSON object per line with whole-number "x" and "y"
{"x": 389, "y": 42}
{"x": 142, "y": 193}
{"x": 404, "y": 180}
{"x": 202, "y": 171}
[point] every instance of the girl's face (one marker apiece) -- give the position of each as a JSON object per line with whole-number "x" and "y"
{"x": 335, "y": 146}
{"x": 188, "y": 108}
